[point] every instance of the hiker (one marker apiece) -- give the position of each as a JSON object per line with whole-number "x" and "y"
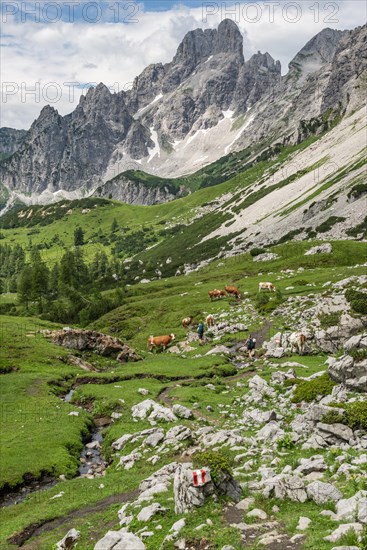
{"x": 201, "y": 332}
{"x": 250, "y": 344}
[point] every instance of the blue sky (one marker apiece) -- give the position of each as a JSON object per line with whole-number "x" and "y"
{"x": 53, "y": 59}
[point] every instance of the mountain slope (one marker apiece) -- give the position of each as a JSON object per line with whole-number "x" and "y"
{"x": 187, "y": 113}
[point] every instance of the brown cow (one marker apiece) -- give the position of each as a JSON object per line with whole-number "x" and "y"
{"x": 216, "y": 294}
{"x": 233, "y": 290}
{"x": 210, "y": 320}
{"x": 186, "y": 322}
{"x": 160, "y": 341}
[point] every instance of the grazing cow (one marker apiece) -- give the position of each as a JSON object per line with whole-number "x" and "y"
{"x": 216, "y": 294}
{"x": 210, "y": 321}
{"x": 233, "y": 290}
{"x": 267, "y": 286}
{"x": 160, "y": 341}
{"x": 297, "y": 342}
{"x": 186, "y": 322}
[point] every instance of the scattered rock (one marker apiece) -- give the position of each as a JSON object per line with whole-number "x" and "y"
{"x": 325, "y": 248}
{"x": 257, "y": 513}
{"x": 69, "y": 540}
{"x": 321, "y": 492}
{"x": 181, "y": 411}
{"x": 353, "y": 508}
{"x": 285, "y": 486}
{"x": 303, "y": 523}
{"x": 120, "y": 540}
{"x": 148, "y": 512}
{"x": 343, "y": 530}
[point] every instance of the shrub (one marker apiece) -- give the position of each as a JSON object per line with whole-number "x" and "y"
{"x": 223, "y": 370}
{"x": 301, "y": 282}
{"x": 257, "y": 251}
{"x": 285, "y": 442}
{"x": 308, "y": 390}
{"x": 358, "y": 354}
{"x": 333, "y": 417}
{"x": 354, "y": 415}
{"x": 357, "y": 300}
{"x": 328, "y": 224}
{"x": 329, "y": 319}
{"x": 217, "y": 461}
{"x": 363, "y": 539}
{"x": 357, "y": 191}
{"x": 291, "y": 382}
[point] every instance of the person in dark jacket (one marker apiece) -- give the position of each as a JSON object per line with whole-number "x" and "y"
{"x": 250, "y": 345}
{"x": 201, "y": 332}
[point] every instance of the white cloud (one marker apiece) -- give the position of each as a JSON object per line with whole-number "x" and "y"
{"x": 36, "y": 54}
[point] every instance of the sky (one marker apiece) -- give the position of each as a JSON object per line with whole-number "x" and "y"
{"x": 53, "y": 50}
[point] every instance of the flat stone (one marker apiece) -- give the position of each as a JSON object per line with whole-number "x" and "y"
{"x": 303, "y": 523}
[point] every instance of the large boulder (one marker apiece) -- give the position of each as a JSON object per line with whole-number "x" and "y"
{"x": 186, "y": 495}
{"x": 155, "y": 411}
{"x": 102, "y": 344}
{"x": 69, "y": 540}
{"x": 348, "y": 371}
{"x": 334, "y": 433}
{"x": 315, "y": 463}
{"x": 285, "y": 486}
{"x": 321, "y": 492}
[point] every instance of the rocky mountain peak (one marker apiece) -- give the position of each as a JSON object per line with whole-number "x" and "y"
{"x": 199, "y": 44}
{"x": 229, "y": 38}
{"x": 317, "y": 52}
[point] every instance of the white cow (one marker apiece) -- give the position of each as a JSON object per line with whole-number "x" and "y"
{"x": 210, "y": 320}
{"x": 267, "y": 286}
{"x": 297, "y": 342}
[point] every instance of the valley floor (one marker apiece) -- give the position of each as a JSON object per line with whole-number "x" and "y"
{"x": 261, "y": 418}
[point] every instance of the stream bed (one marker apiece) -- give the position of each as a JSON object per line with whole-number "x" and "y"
{"x": 91, "y": 465}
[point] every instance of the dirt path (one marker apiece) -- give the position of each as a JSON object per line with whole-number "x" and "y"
{"x": 37, "y": 529}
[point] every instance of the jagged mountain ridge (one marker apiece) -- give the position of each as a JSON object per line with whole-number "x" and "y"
{"x": 185, "y": 113}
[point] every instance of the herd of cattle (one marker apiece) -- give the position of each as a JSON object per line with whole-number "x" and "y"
{"x": 297, "y": 339}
